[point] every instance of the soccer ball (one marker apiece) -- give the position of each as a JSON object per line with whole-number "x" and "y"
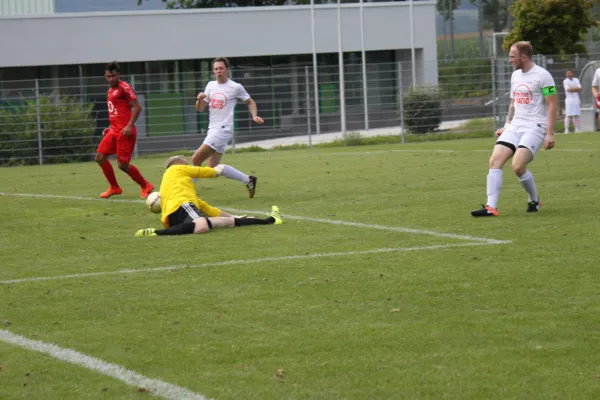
{"x": 153, "y": 202}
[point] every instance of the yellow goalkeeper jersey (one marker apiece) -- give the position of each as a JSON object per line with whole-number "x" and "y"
{"x": 177, "y": 188}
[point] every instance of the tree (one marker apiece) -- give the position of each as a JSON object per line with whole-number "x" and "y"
{"x": 552, "y": 26}
{"x": 446, "y": 9}
{"x": 596, "y": 11}
{"x": 495, "y": 14}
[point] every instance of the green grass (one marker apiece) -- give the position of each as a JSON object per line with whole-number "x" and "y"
{"x": 476, "y": 125}
{"x": 508, "y": 321}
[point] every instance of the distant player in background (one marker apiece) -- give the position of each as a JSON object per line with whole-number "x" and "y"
{"x": 120, "y": 137}
{"x": 529, "y": 126}
{"x": 221, "y": 96}
{"x": 184, "y": 213}
{"x": 572, "y": 102}
{"x": 596, "y": 92}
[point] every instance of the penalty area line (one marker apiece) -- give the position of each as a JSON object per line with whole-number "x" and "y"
{"x": 288, "y": 216}
{"x": 250, "y": 261}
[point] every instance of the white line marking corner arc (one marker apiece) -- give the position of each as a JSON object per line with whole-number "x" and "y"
{"x": 156, "y": 387}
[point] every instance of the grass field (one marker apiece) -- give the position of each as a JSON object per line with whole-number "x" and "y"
{"x": 380, "y": 285}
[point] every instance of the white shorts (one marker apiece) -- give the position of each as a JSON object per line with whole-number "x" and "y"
{"x": 217, "y": 139}
{"x": 528, "y": 136}
{"x": 572, "y": 108}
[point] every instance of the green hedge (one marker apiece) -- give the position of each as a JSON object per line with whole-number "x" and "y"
{"x": 465, "y": 78}
{"x": 67, "y": 131}
{"x": 422, "y": 110}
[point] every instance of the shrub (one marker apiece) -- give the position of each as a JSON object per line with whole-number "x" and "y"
{"x": 67, "y": 129}
{"x": 422, "y": 110}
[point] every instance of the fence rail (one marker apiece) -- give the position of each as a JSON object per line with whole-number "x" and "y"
{"x": 60, "y": 120}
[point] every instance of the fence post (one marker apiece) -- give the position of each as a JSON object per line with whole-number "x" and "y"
{"x": 494, "y": 102}
{"x": 308, "y": 122}
{"x": 39, "y": 121}
{"x": 401, "y": 99}
{"x": 81, "y": 85}
{"x": 364, "y": 70}
{"x": 234, "y": 121}
{"x": 316, "y": 89}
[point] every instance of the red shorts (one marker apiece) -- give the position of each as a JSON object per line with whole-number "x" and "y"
{"x": 116, "y": 143}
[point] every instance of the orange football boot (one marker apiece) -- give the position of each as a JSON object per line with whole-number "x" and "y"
{"x": 112, "y": 191}
{"x": 146, "y": 190}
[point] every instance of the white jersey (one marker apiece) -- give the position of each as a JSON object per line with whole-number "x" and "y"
{"x": 528, "y": 89}
{"x": 596, "y": 81}
{"x": 571, "y": 97}
{"x": 222, "y": 99}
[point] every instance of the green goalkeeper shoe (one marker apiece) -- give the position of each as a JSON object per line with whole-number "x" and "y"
{"x": 146, "y": 232}
{"x": 276, "y": 215}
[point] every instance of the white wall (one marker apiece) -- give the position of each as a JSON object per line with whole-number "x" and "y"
{"x": 192, "y": 34}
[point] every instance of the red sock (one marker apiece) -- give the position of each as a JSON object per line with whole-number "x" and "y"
{"x": 109, "y": 173}
{"x": 135, "y": 174}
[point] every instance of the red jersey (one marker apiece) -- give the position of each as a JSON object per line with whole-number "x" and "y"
{"x": 119, "y": 110}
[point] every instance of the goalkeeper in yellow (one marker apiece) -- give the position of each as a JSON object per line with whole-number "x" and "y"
{"x": 183, "y": 212}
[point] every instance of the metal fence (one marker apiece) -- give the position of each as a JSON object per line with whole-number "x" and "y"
{"x": 60, "y": 120}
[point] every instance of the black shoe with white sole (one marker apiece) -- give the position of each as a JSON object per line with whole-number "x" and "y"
{"x": 534, "y": 206}
{"x": 251, "y": 185}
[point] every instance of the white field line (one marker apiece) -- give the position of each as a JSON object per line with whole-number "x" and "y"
{"x": 384, "y": 228}
{"x": 355, "y": 153}
{"x": 250, "y": 261}
{"x": 295, "y": 217}
{"x": 156, "y": 387}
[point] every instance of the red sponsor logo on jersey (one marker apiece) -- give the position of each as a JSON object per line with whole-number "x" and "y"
{"x": 523, "y": 95}
{"x": 218, "y": 101}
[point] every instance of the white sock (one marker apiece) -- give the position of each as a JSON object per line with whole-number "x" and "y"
{"x": 566, "y": 124}
{"x": 494, "y": 184}
{"x": 576, "y": 123}
{"x": 529, "y": 185}
{"x": 232, "y": 173}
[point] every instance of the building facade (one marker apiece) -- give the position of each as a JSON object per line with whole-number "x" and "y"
{"x": 166, "y": 56}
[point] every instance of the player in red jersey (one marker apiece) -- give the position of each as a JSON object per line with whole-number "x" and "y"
{"x": 119, "y": 138}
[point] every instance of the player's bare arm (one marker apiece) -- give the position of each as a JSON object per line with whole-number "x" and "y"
{"x": 200, "y": 103}
{"x": 509, "y": 117}
{"x": 137, "y": 109}
{"x": 552, "y": 102}
{"x": 595, "y": 91}
{"x": 511, "y": 111}
{"x": 254, "y": 111}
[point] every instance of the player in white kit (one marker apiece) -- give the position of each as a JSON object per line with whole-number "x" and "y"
{"x": 572, "y": 102}
{"x": 221, "y": 95}
{"x": 596, "y": 92}
{"x": 529, "y": 126}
